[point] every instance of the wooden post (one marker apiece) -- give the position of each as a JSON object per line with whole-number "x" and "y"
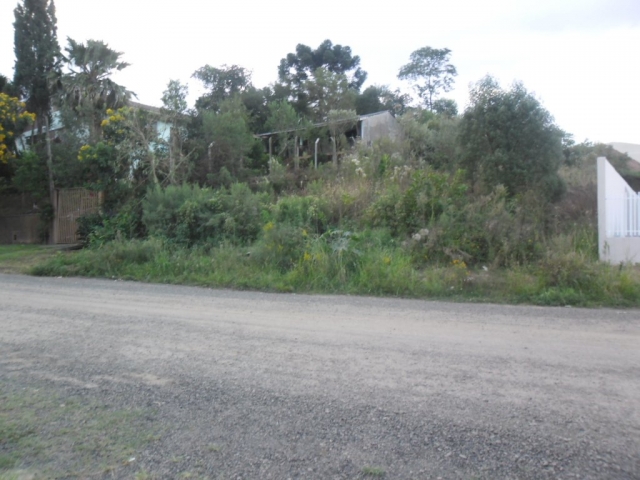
{"x": 335, "y": 153}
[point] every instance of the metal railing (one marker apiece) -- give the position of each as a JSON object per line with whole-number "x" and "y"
{"x": 623, "y": 215}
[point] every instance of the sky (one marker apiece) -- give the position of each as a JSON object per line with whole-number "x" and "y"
{"x": 581, "y": 58}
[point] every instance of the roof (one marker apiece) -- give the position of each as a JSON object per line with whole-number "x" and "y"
{"x": 147, "y": 108}
{"x": 323, "y": 124}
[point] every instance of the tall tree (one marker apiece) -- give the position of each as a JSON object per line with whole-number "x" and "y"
{"x": 296, "y": 69}
{"x": 221, "y": 84}
{"x": 430, "y": 72}
{"x": 380, "y": 97}
{"x": 7, "y": 87}
{"x": 326, "y": 91}
{"x": 175, "y": 110}
{"x": 37, "y": 63}
{"x": 228, "y": 137}
{"x": 508, "y": 138}
{"x": 88, "y": 87}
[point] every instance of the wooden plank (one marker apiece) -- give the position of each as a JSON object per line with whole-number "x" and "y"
{"x": 74, "y": 203}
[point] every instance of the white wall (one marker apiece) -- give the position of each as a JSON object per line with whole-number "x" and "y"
{"x": 618, "y": 217}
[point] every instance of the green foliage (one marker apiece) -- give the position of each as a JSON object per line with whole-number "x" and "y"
{"x": 228, "y": 136}
{"x": 282, "y": 246}
{"x": 222, "y": 84}
{"x": 326, "y": 91}
{"x": 430, "y": 195}
{"x": 188, "y": 214}
{"x": 308, "y": 212}
{"x": 37, "y": 55}
{"x": 377, "y": 98}
{"x": 446, "y": 107}
{"x": 88, "y": 87}
{"x": 509, "y": 139}
{"x": 334, "y": 61}
{"x": 370, "y": 263}
{"x": 96, "y": 230}
{"x": 31, "y": 175}
{"x": 432, "y": 139}
{"x": 431, "y": 73}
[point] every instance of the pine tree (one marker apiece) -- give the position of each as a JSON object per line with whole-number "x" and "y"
{"x": 37, "y": 54}
{"x": 37, "y": 64}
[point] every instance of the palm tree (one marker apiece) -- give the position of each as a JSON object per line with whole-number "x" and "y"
{"x": 88, "y": 88}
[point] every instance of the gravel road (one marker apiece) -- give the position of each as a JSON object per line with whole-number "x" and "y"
{"x": 315, "y": 387}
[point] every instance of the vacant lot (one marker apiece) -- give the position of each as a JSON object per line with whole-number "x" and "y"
{"x": 124, "y": 380}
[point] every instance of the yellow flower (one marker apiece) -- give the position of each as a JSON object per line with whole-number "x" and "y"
{"x": 307, "y": 257}
{"x": 268, "y": 227}
{"x": 386, "y": 260}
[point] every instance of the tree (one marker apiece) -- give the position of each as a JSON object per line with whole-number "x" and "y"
{"x": 37, "y": 65}
{"x": 339, "y": 122}
{"x": 377, "y": 98}
{"x": 508, "y": 138}
{"x": 431, "y": 73}
{"x": 222, "y": 83}
{"x": 446, "y": 107}
{"x": 88, "y": 87}
{"x": 175, "y": 111}
{"x": 13, "y": 119}
{"x": 296, "y": 69}
{"x": 328, "y": 91}
{"x": 7, "y": 87}
{"x": 228, "y": 137}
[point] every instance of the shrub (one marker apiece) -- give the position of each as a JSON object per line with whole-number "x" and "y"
{"x": 429, "y": 196}
{"x": 187, "y": 215}
{"x": 306, "y": 212}
{"x": 282, "y": 245}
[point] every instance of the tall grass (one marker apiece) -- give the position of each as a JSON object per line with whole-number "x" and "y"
{"x": 364, "y": 264}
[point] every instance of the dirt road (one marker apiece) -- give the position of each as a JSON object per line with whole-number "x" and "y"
{"x": 251, "y": 385}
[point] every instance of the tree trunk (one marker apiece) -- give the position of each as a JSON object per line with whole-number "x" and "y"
{"x": 52, "y": 187}
{"x": 173, "y": 149}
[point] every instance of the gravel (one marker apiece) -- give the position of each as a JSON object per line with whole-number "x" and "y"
{"x": 254, "y": 385}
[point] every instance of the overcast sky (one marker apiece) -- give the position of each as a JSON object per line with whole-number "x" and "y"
{"x": 580, "y": 57}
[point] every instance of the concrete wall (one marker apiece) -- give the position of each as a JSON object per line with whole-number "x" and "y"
{"x": 377, "y": 126}
{"x": 618, "y": 217}
{"x": 19, "y": 229}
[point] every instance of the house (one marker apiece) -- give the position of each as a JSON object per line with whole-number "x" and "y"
{"x": 366, "y": 129}
{"x": 20, "y": 218}
{"x": 57, "y": 126}
{"x": 375, "y": 126}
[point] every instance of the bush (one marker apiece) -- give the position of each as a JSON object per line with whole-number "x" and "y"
{"x": 305, "y": 212}
{"x": 282, "y": 246}
{"x": 430, "y": 195}
{"x": 187, "y": 215}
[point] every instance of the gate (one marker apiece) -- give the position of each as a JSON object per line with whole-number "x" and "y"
{"x": 72, "y": 204}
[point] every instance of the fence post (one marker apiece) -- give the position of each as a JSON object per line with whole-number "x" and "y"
{"x": 602, "y": 208}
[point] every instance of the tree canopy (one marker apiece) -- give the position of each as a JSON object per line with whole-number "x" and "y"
{"x": 221, "y": 84}
{"x": 88, "y": 87}
{"x": 509, "y": 138}
{"x": 37, "y": 54}
{"x": 297, "y": 69}
{"x": 430, "y": 72}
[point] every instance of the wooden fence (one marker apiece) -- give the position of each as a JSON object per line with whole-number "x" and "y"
{"x": 72, "y": 204}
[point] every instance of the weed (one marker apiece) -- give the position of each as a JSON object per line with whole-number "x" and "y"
{"x": 59, "y": 436}
{"x": 373, "y": 472}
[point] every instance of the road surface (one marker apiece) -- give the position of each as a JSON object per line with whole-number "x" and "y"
{"x": 297, "y": 386}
